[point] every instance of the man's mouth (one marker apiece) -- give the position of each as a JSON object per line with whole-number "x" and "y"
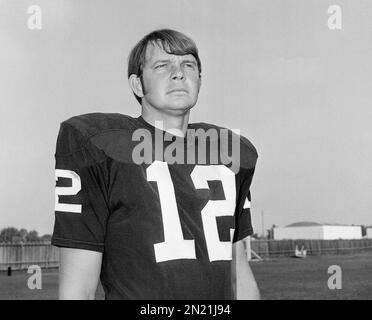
{"x": 178, "y": 91}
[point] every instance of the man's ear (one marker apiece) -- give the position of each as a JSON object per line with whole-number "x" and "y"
{"x": 136, "y": 85}
{"x": 200, "y": 82}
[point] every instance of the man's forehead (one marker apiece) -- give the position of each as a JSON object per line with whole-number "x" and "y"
{"x": 155, "y": 51}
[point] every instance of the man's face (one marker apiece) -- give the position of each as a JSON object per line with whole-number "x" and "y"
{"x": 171, "y": 82}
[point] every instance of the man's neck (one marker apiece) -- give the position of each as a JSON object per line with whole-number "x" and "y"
{"x": 174, "y": 124}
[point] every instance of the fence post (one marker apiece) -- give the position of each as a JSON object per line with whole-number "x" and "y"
{"x": 248, "y": 248}
{"x": 22, "y": 256}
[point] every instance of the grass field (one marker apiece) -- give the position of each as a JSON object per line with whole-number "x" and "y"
{"x": 290, "y": 278}
{"x": 281, "y": 278}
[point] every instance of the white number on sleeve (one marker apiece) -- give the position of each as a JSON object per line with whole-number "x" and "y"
{"x": 64, "y": 191}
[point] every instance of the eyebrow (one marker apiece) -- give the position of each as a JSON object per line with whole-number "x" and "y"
{"x": 160, "y": 61}
{"x": 189, "y": 61}
{"x": 169, "y": 60}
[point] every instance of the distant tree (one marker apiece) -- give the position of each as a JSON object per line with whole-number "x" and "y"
{"x": 46, "y": 237}
{"x": 8, "y": 234}
{"x": 32, "y": 236}
{"x": 23, "y": 233}
{"x": 364, "y": 231}
{"x": 11, "y": 234}
{"x": 270, "y": 232}
{"x": 16, "y": 239}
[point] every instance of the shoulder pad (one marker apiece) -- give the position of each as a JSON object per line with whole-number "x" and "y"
{"x": 248, "y": 153}
{"x": 95, "y": 123}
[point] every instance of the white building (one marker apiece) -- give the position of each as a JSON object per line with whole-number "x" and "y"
{"x": 312, "y": 230}
{"x": 369, "y": 233}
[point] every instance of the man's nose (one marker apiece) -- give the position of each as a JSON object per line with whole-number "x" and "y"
{"x": 177, "y": 73}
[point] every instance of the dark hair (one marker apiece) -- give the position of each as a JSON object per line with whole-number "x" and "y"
{"x": 173, "y": 42}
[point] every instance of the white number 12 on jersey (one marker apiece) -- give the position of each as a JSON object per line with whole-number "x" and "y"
{"x": 174, "y": 245}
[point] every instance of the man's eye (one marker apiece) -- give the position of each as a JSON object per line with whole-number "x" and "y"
{"x": 160, "y": 66}
{"x": 189, "y": 65}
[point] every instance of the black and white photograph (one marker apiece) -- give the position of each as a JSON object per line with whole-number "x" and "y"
{"x": 202, "y": 151}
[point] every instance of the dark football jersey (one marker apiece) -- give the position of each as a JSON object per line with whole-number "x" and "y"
{"x": 165, "y": 226}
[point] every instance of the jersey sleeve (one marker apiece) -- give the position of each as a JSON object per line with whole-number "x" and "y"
{"x": 248, "y": 160}
{"x": 81, "y": 199}
{"x": 243, "y": 223}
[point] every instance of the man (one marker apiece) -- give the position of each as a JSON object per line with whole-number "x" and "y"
{"x": 156, "y": 229}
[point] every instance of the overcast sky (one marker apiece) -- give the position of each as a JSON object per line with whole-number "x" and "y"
{"x": 300, "y": 92}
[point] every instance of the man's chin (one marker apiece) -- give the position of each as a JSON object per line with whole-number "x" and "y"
{"x": 179, "y": 108}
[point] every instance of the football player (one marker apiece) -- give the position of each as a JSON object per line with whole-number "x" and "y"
{"x": 164, "y": 228}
